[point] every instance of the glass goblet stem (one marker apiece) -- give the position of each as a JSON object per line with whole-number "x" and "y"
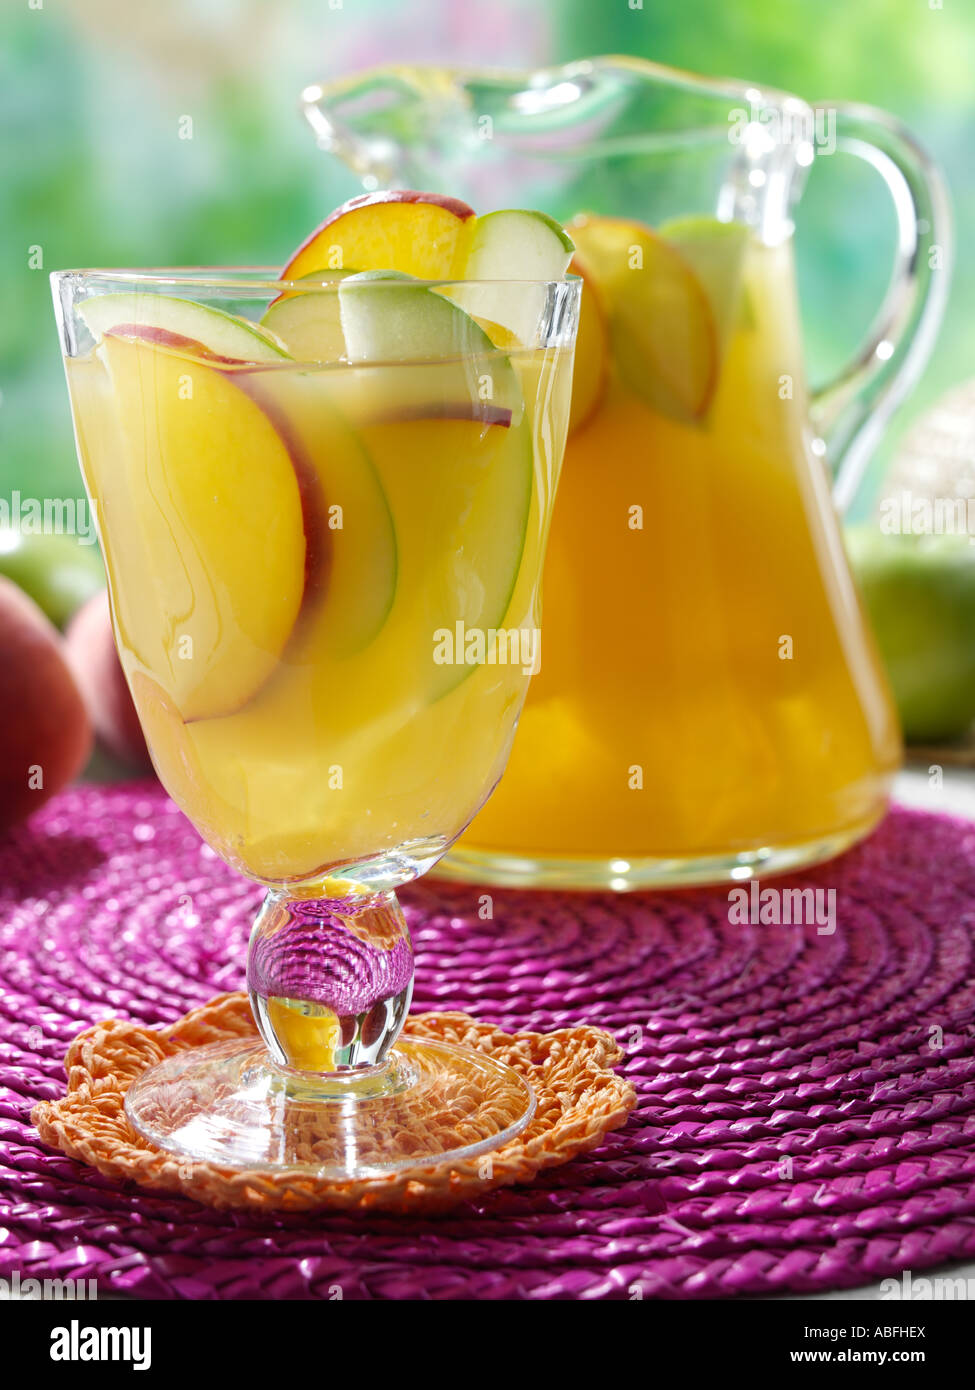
{"x": 330, "y": 979}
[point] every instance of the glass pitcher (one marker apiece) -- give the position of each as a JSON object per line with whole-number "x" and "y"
{"x": 709, "y": 704}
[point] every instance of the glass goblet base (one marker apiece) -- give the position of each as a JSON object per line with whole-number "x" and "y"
{"x": 231, "y": 1105}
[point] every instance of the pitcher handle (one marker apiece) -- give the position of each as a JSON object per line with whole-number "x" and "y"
{"x": 851, "y": 411}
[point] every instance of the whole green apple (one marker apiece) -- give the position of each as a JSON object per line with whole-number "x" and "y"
{"x": 919, "y": 592}
{"x": 58, "y": 572}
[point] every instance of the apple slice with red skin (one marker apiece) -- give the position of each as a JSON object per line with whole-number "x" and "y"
{"x": 437, "y": 361}
{"x": 426, "y": 235}
{"x": 431, "y": 409}
{"x": 200, "y": 330}
{"x": 163, "y": 337}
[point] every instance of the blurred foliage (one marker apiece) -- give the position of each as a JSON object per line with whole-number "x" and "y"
{"x": 93, "y": 170}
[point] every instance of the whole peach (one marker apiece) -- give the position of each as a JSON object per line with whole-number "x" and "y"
{"x": 94, "y": 660}
{"x": 45, "y": 732}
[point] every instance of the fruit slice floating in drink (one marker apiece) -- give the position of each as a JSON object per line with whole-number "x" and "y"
{"x": 592, "y": 354}
{"x": 203, "y": 485}
{"x": 309, "y": 324}
{"x": 196, "y": 329}
{"x": 715, "y": 252}
{"x": 540, "y": 249}
{"x": 422, "y": 234}
{"x": 413, "y": 323}
{"x": 661, "y": 325}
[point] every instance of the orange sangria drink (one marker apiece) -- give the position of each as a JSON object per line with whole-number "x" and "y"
{"x": 323, "y": 501}
{"x": 710, "y": 699}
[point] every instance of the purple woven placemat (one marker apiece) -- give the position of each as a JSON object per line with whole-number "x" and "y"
{"x": 806, "y": 1100}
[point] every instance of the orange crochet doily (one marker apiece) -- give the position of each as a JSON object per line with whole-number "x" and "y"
{"x": 579, "y": 1100}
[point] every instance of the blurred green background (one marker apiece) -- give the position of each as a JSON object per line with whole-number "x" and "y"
{"x": 93, "y": 170}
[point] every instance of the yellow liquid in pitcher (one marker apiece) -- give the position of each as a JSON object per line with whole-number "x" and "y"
{"x": 708, "y": 686}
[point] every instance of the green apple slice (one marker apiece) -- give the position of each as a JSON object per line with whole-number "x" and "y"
{"x": 715, "y": 251}
{"x": 518, "y": 245}
{"x": 460, "y": 492}
{"x": 455, "y": 458}
{"x": 396, "y": 324}
{"x": 309, "y": 324}
{"x": 507, "y": 246}
{"x": 454, "y": 364}
{"x": 490, "y": 542}
{"x": 351, "y": 611}
{"x": 167, "y": 321}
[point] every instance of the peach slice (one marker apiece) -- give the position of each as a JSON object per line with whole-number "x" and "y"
{"x": 213, "y": 523}
{"x": 174, "y": 756}
{"x": 592, "y": 349}
{"x": 424, "y": 234}
{"x": 662, "y": 330}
